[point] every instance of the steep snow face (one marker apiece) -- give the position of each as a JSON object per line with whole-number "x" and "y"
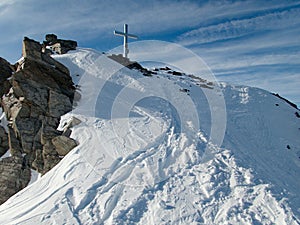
{"x": 148, "y": 154}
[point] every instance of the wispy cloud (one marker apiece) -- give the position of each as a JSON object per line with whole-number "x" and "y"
{"x": 240, "y": 27}
{"x": 259, "y": 49}
{"x": 92, "y": 18}
{"x": 251, "y": 37}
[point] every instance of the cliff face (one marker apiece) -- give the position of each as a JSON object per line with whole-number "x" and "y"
{"x": 6, "y": 71}
{"x": 35, "y": 92}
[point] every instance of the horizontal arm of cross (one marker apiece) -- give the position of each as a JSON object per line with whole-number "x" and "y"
{"x": 132, "y": 36}
{"x": 118, "y": 33}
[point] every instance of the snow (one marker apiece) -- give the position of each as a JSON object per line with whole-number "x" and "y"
{"x": 3, "y": 120}
{"x": 34, "y": 177}
{"x": 6, "y": 155}
{"x": 151, "y": 154}
{"x": 3, "y": 123}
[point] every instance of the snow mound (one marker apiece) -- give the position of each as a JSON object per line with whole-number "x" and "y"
{"x": 148, "y": 154}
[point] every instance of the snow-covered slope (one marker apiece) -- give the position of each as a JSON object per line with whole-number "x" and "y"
{"x": 148, "y": 155}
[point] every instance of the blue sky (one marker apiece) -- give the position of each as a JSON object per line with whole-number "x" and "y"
{"x": 256, "y": 43}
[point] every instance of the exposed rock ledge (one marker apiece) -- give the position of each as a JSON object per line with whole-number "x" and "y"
{"x": 35, "y": 92}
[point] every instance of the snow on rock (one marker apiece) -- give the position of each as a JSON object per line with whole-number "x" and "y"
{"x": 143, "y": 157}
{"x": 3, "y": 120}
{"x": 4, "y": 153}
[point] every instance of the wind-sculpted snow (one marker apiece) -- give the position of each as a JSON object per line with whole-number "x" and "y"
{"x": 146, "y": 157}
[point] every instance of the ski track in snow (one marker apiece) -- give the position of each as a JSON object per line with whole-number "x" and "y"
{"x": 148, "y": 172}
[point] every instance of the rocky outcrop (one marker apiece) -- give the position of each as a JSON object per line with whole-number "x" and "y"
{"x": 58, "y": 45}
{"x": 130, "y": 64}
{"x": 6, "y": 71}
{"x": 70, "y": 124}
{"x": 63, "y": 145}
{"x": 36, "y": 95}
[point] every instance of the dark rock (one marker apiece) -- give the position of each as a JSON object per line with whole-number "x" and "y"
{"x": 38, "y": 162}
{"x": 3, "y": 141}
{"x": 31, "y": 49}
{"x": 197, "y": 78}
{"x": 71, "y": 123}
{"x": 14, "y": 143}
{"x": 15, "y": 175}
{"x": 59, "y": 104}
{"x": 130, "y": 64}
{"x": 176, "y": 73}
{"x": 63, "y": 144}
{"x": 50, "y": 161}
{"x": 125, "y": 61}
{"x": 51, "y": 38}
{"x": 58, "y": 45}
{"x": 6, "y": 70}
{"x": 184, "y": 90}
{"x": 206, "y": 86}
{"x": 287, "y": 101}
{"x": 67, "y": 132}
{"x": 165, "y": 68}
{"x": 49, "y": 60}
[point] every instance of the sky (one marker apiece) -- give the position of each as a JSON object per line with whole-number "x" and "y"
{"x": 254, "y": 42}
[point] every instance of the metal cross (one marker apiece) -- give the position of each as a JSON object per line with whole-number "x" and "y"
{"x": 126, "y": 36}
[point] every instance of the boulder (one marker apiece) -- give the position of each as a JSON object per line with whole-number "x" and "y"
{"x": 63, "y": 144}
{"x": 59, "y": 46}
{"x": 70, "y": 124}
{"x": 31, "y": 49}
{"x": 74, "y": 121}
{"x": 50, "y": 38}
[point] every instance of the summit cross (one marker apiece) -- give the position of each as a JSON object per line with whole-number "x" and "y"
{"x": 126, "y": 36}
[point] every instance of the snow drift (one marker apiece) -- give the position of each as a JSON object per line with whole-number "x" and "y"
{"x": 152, "y": 158}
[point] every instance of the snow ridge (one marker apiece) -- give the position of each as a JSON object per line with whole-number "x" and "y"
{"x": 144, "y": 160}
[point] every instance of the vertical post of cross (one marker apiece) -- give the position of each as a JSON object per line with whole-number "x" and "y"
{"x": 126, "y": 35}
{"x": 125, "y": 50}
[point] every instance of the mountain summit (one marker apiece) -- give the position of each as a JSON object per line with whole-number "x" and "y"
{"x": 151, "y": 150}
